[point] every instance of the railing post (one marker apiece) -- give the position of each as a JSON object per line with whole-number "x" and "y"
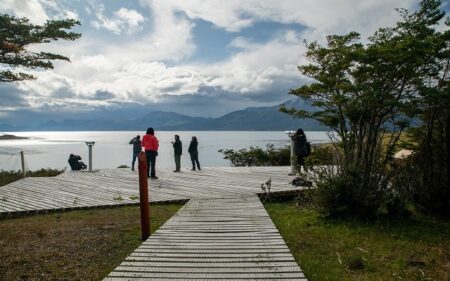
{"x": 143, "y": 195}
{"x": 22, "y": 158}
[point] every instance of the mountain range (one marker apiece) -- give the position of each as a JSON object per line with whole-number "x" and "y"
{"x": 248, "y": 119}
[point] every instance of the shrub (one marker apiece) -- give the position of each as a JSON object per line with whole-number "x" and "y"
{"x": 256, "y": 156}
{"x": 7, "y": 177}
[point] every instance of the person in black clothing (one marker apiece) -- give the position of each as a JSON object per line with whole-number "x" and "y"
{"x": 136, "y": 142}
{"x": 75, "y": 163}
{"x": 300, "y": 148}
{"x": 194, "y": 153}
{"x": 177, "y": 150}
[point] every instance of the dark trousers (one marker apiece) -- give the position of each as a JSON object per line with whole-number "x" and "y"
{"x": 177, "y": 162}
{"x": 151, "y": 159}
{"x": 301, "y": 161}
{"x": 194, "y": 159}
{"x": 135, "y": 155}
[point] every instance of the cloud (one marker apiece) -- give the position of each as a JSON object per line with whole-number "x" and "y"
{"x": 37, "y": 11}
{"x": 123, "y": 20}
{"x": 11, "y": 97}
{"x": 154, "y": 66}
{"x": 32, "y": 9}
{"x": 317, "y": 16}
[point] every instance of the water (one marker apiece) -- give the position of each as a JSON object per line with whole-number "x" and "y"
{"x": 111, "y": 149}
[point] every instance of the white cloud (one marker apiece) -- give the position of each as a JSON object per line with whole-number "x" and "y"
{"x": 245, "y": 73}
{"x": 123, "y": 20}
{"x": 316, "y": 15}
{"x": 258, "y": 67}
{"x": 32, "y": 9}
{"x": 37, "y": 11}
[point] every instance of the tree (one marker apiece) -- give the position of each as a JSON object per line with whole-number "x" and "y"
{"x": 431, "y": 169}
{"x": 16, "y": 34}
{"x": 367, "y": 95}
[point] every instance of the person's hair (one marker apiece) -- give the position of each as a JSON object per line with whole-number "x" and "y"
{"x": 150, "y": 131}
{"x": 138, "y": 136}
{"x": 194, "y": 138}
{"x": 300, "y": 131}
{"x": 177, "y": 137}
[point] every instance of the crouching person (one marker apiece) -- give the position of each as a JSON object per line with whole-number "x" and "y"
{"x": 75, "y": 163}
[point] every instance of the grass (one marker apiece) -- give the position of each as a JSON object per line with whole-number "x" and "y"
{"x": 340, "y": 249}
{"x": 76, "y": 245}
{"x": 11, "y": 176}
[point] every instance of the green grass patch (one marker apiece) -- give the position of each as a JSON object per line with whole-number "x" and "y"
{"x": 11, "y": 176}
{"x": 338, "y": 249}
{"x": 76, "y": 245}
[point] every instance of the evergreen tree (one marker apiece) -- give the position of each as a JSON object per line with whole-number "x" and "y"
{"x": 16, "y": 34}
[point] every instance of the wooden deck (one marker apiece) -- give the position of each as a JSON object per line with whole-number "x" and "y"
{"x": 222, "y": 233}
{"x": 112, "y": 187}
{"x": 213, "y": 239}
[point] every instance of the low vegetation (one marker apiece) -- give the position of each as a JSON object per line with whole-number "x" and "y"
{"x": 346, "y": 249}
{"x": 256, "y": 156}
{"x": 272, "y": 156}
{"x": 77, "y": 245}
{"x": 11, "y": 176}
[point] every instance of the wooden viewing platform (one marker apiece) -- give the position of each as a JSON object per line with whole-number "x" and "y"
{"x": 222, "y": 233}
{"x": 113, "y": 187}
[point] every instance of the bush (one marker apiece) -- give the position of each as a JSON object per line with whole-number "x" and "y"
{"x": 322, "y": 154}
{"x": 7, "y": 177}
{"x": 255, "y": 156}
{"x": 347, "y": 192}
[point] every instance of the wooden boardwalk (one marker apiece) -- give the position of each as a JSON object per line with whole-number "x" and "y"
{"x": 222, "y": 233}
{"x": 112, "y": 187}
{"x": 213, "y": 239}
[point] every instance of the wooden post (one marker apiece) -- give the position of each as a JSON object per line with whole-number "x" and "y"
{"x": 143, "y": 195}
{"x": 22, "y": 158}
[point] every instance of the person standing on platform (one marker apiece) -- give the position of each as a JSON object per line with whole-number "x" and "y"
{"x": 301, "y": 149}
{"x": 193, "y": 152}
{"x": 177, "y": 151}
{"x": 150, "y": 144}
{"x": 136, "y": 142}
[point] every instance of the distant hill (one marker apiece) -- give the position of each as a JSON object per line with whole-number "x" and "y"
{"x": 249, "y": 119}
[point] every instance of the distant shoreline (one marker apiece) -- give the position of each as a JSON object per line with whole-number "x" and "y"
{"x": 12, "y": 137}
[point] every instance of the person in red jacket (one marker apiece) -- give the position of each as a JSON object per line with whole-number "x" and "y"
{"x": 150, "y": 143}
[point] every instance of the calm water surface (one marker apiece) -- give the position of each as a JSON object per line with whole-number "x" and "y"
{"x": 111, "y": 149}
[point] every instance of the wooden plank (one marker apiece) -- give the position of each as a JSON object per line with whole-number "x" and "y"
{"x": 229, "y": 245}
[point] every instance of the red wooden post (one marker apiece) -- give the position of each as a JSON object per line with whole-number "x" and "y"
{"x": 143, "y": 195}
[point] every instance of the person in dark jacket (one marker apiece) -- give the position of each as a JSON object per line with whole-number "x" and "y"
{"x": 177, "y": 151}
{"x": 75, "y": 162}
{"x": 193, "y": 152}
{"x": 300, "y": 148}
{"x": 136, "y": 142}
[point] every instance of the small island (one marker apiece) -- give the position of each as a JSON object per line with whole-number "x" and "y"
{"x": 12, "y": 137}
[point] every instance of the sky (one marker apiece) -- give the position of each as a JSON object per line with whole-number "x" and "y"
{"x": 201, "y": 58}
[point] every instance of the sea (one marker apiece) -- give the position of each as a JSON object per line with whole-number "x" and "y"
{"x": 112, "y": 148}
